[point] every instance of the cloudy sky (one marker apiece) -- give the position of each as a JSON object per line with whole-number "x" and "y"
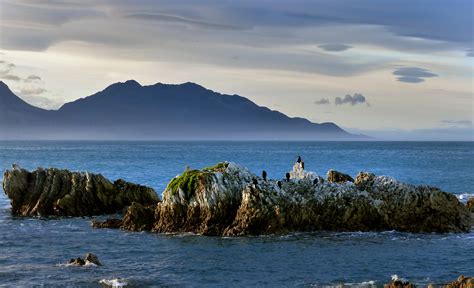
{"x": 393, "y": 69}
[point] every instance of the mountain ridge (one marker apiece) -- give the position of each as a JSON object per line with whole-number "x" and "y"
{"x": 128, "y": 111}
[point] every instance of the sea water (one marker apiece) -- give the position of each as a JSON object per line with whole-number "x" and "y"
{"x": 34, "y": 251}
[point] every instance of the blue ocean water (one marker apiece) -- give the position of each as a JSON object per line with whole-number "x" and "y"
{"x": 33, "y": 251}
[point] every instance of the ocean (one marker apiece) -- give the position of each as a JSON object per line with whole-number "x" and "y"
{"x": 34, "y": 251}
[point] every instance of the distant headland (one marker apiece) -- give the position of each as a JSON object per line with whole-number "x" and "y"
{"x": 130, "y": 111}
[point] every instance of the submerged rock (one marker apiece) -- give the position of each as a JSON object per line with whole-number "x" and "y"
{"x": 229, "y": 200}
{"x": 109, "y": 223}
{"x": 55, "y": 192}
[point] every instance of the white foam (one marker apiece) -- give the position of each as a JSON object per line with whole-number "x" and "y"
{"x": 114, "y": 282}
{"x": 88, "y": 263}
{"x": 396, "y": 278}
{"x": 464, "y": 196}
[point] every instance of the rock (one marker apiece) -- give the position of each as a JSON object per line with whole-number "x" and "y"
{"x": 364, "y": 180}
{"x": 470, "y": 204}
{"x": 109, "y": 223}
{"x": 222, "y": 200}
{"x": 338, "y": 177}
{"x": 55, "y": 192}
{"x": 229, "y": 200}
{"x": 77, "y": 261}
{"x": 139, "y": 218}
{"x": 461, "y": 282}
{"x": 399, "y": 283}
{"x": 90, "y": 259}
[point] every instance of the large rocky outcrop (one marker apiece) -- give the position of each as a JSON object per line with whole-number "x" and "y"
{"x": 229, "y": 200}
{"x": 55, "y": 192}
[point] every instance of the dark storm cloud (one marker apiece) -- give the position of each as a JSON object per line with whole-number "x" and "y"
{"x": 357, "y": 98}
{"x": 413, "y": 74}
{"x": 322, "y": 101}
{"x": 335, "y": 47}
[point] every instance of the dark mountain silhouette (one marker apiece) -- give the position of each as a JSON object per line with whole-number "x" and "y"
{"x": 130, "y": 111}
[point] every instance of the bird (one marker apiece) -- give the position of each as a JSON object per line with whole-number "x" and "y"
{"x": 299, "y": 159}
{"x": 264, "y": 175}
{"x": 287, "y": 177}
{"x": 279, "y": 184}
{"x": 315, "y": 181}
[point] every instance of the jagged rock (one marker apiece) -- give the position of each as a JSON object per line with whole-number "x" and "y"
{"x": 139, "y": 218}
{"x": 397, "y": 282}
{"x": 470, "y": 204}
{"x": 55, "y": 192}
{"x": 364, "y": 180}
{"x": 461, "y": 282}
{"x": 338, "y": 177}
{"x": 109, "y": 223}
{"x": 229, "y": 200}
{"x": 90, "y": 259}
{"x": 77, "y": 261}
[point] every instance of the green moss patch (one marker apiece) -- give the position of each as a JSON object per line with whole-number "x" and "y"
{"x": 219, "y": 167}
{"x": 187, "y": 181}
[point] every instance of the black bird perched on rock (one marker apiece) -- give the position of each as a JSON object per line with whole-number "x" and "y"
{"x": 315, "y": 181}
{"x": 287, "y": 177}
{"x": 264, "y": 175}
{"x": 254, "y": 181}
{"x": 279, "y": 184}
{"x": 299, "y": 159}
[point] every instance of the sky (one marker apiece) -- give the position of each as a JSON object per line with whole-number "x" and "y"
{"x": 390, "y": 69}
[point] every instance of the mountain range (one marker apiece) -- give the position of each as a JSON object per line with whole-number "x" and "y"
{"x": 130, "y": 111}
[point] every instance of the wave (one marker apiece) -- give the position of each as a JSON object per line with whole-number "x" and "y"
{"x": 464, "y": 196}
{"x": 364, "y": 284}
{"x": 116, "y": 282}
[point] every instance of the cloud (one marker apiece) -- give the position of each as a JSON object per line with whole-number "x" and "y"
{"x": 433, "y": 134}
{"x": 458, "y": 122}
{"x": 322, "y": 101}
{"x": 182, "y": 20}
{"x": 470, "y": 53}
{"x": 32, "y": 91}
{"x": 10, "y": 77}
{"x": 5, "y": 72}
{"x": 357, "y": 98}
{"x": 335, "y": 47}
{"x": 32, "y": 78}
{"x": 413, "y": 74}
{"x": 42, "y": 101}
